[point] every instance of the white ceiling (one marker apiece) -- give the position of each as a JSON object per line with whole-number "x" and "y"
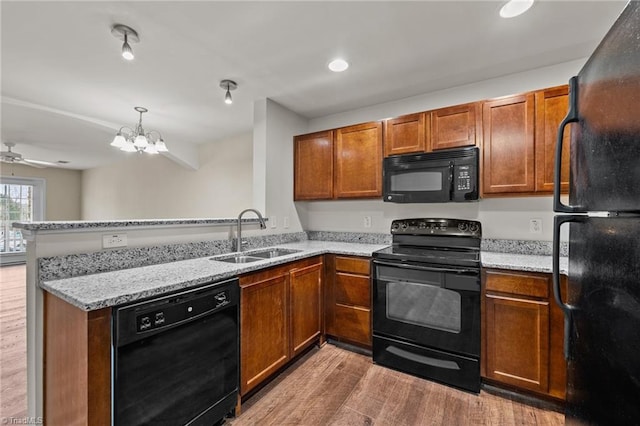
{"x": 66, "y": 89}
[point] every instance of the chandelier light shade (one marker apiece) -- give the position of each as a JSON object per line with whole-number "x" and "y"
{"x": 127, "y": 35}
{"x": 137, "y": 140}
{"x": 228, "y": 85}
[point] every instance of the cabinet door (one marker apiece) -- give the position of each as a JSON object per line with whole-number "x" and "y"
{"x": 306, "y": 307}
{"x": 454, "y": 127}
{"x": 264, "y": 328}
{"x": 551, "y": 107}
{"x": 406, "y": 134}
{"x": 359, "y": 161}
{"x": 517, "y": 341}
{"x": 508, "y": 148}
{"x": 313, "y": 166}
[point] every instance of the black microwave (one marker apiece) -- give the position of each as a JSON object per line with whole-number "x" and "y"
{"x": 434, "y": 177}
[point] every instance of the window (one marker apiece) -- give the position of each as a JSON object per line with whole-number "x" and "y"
{"x": 21, "y": 200}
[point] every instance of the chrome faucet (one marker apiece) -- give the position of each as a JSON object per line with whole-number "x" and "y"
{"x": 239, "y": 233}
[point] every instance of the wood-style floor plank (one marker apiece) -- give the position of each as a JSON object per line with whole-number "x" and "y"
{"x": 332, "y": 386}
{"x": 13, "y": 338}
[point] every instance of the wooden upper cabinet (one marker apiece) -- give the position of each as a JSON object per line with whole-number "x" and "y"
{"x": 313, "y": 166}
{"x": 551, "y": 107}
{"x": 358, "y": 161}
{"x": 454, "y": 127}
{"x": 407, "y": 134}
{"x": 508, "y": 145}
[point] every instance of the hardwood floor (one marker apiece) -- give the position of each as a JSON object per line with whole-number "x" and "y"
{"x": 13, "y": 342}
{"x": 332, "y": 386}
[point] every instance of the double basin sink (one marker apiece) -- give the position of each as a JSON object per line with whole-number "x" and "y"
{"x": 254, "y": 256}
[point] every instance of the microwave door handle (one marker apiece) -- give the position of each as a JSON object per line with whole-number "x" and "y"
{"x": 572, "y": 117}
{"x": 425, "y": 268}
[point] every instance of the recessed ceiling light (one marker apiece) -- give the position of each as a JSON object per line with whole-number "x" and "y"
{"x": 338, "y": 65}
{"x": 515, "y": 8}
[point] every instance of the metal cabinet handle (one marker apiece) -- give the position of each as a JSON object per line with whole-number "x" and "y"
{"x": 572, "y": 117}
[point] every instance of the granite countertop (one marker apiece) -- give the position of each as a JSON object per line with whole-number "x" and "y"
{"x": 85, "y": 224}
{"x": 96, "y": 291}
{"x": 522, "y": 262}
{"x": 100, "y": 290}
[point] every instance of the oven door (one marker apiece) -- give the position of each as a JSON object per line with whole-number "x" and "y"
{"x": 406, "y": 179}
{"x": 432, "y": 306}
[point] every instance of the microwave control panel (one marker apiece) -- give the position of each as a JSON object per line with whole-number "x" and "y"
{"x": 462, "y": 178}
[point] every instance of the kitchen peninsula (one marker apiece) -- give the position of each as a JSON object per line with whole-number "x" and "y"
{"x": 66, "y": 260}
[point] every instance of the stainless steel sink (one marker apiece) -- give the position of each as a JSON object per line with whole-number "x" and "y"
{"x": 237, "y": 258}
{"x": 255, "y": 256}
{"x": 274, "y": 252}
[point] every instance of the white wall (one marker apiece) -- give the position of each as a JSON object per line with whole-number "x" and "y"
{"x": 501, "y": 218}
{"x": 274, "y": 128}
{"x": 147, "y": 187}
{"x": 63, "y": 189}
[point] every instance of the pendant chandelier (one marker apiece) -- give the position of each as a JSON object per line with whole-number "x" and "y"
{"x": 130, "y": 140}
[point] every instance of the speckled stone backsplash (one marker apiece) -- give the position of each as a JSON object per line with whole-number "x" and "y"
{"x": 73, "y": 265}
{"x": 350, "y": 237}
{"x": 539, "y": 248}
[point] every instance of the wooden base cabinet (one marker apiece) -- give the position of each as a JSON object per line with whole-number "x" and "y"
{"x": 522, "y": 332}
{"x": 77, "y": 364}
{"x": 348, "y": 299}
{"x": 305, "y": 288}
{"x": 280, "y": 316}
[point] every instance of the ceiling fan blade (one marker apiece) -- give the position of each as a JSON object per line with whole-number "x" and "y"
{"x": 37, "y": 164}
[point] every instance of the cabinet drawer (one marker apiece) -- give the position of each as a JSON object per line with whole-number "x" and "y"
{"x": 354, "y": 323}
{"x": 353, "y": 290}
{"x": 531, "y": 285}
{"x": 352, "y": 264}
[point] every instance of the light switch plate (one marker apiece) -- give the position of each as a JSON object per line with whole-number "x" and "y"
{"x": 273, "y": 221}
{"x": 285, "y": 222}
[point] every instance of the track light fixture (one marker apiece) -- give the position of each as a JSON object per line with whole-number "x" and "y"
{"x": 126, "y": 34}
{"x": 130, "y": 140}
{"x": 228, "y": 85}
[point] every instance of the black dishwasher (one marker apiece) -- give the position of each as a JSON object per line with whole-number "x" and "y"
{"x": 175, "y": 358}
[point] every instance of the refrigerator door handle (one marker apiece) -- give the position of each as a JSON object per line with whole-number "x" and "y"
{"x": 566, "y": 308}
{"x": 572, "y": 117}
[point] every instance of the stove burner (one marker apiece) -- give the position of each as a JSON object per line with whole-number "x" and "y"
{"x": 454, "y": 242}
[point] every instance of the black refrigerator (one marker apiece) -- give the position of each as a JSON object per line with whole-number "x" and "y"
{"x": 602, "y": 301}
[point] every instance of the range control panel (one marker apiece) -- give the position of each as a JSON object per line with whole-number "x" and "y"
{"x": 430, "y": 226}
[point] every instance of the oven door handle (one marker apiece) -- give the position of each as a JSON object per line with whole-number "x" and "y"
{"x": 425, "y": 268}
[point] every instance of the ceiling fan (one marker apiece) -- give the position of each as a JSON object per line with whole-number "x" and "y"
{"x": 16, "y": 158}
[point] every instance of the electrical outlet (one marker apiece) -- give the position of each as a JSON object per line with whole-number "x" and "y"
{"x": 114, "y": 240}
{"x": 535, "y": 226}
{"x": 273, "y": 221}
{"x": 367, "y": 222}
{"x": 285, "y": 222}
